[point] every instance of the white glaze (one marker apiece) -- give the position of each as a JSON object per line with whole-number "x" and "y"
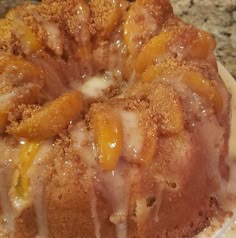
{"x": 94, "y": 213}
{"x": 132, "y": 133}
{"x": 83, "y": 16}
{"x": 115, "y": 187}
{"x": 6, "y": 100}
{"x": 8, "y": 155}
{"x": 37, "y": 189}
{"x": 54, "y": 39}
{"x": 94, "y": 86}
{"x": 82, "y": 142}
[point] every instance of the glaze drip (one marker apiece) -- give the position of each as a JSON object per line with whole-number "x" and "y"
{"x": 115, "y": 188}
{"x": 38, "y": 189}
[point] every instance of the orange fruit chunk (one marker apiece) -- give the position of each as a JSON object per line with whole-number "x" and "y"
{"x": 203, "y": 46}
{"x": 27, "y": 38}
{"x": 152, "y": 72}
{"x": 203, "y": 87}
{"x": 143, "y": 20}
{"x": 10, "y": 64}
{"x": 193, "y": 79}
{"x": 155, "y": 48}
{"x": 51, "y": 119}
{"x": 108, "y": 135}
{"x": 27, "y": 154}
{"x": 21, "y": 82}
{"x": 132, "y": 30}
{"x": 29, "y": 41}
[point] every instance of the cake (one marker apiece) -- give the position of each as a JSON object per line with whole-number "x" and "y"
{"x": 114, "y": 122}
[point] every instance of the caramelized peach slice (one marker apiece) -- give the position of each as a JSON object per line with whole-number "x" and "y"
{"x": 203, "y": 87}
{"x": 168, "y": 108}
{"x": 194, "y": 80}
{"x": 27, "y": 154}
{"x": 27, "y": 38}
{"x": 132, "y": 30}
{"x": 29, "y": 41}
{"x": 203, "y": 46}
{"x": 143, "y": 20}
{"x": 18, "y": 65}
{"x": 106, "y": 14}
{"x": 155, "y": 48}
{"x": 152, "y": 72}
{"x": 108, "y": 134}
{"x": 51, "y": 119}
{"x": 21, "y": 82}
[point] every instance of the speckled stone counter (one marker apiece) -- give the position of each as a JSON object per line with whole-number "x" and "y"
{"x": 215, "y": 16}
{"x": 6, "y": 4}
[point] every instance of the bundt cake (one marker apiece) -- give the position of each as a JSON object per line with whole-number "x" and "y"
{"x": 114, "y": 122}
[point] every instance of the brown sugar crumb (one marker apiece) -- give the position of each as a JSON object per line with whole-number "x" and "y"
{"x": 21, "y": 112}
{"x": 160, "y": 9}
{"x": 7, "y": 39}
{"x": 105, "y": 15}
{"x": 69, "y": 18}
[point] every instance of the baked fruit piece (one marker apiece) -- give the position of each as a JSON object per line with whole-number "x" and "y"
{"x": 114, "y": 122}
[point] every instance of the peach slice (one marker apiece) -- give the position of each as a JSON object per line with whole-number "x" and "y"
{"x": 108, "y": 134}
{"x": 143, "y": 20}
{"x": 51, "y": 119}
{"x": 203, "y": 87}
{"x": 152, "y": 72}
{"x": 106, "y": 14}
{"x": 10, "y": 64}
{"x": 203, "y": 46}
{"x": 132, "y": 30}
{"x": 21, "y": 82}
{"x": 27, "y": 154}
{"x": 156, "y": 47}
{"x": 28, "y": 40}
{"x": 193, "y": 79}
{"x": 198, "y": 44}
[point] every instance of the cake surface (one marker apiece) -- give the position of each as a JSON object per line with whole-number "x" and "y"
{"x": 114, "y": 122}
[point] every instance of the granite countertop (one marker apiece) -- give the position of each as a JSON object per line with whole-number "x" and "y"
{"x": 215, "y": 16}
